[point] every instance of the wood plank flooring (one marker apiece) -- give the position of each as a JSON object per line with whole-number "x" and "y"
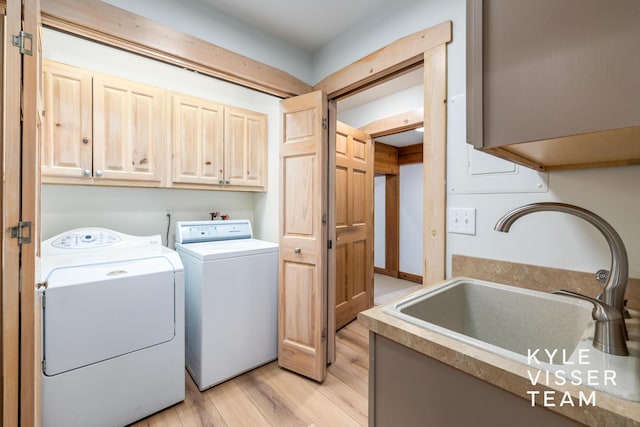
{"x": 271, "y": 396}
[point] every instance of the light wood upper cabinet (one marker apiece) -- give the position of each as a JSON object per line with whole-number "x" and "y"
{"x": 198, "y": 148}
{"x": 217, "y": 145}
{"x": 67, "y": 135}
{"x": 104, "y": 130}
{"x": 245, "y": 144}
{"x": 128, "y": 130}
{"x": 554, "y": 85}
{"x": 101, "y": 130}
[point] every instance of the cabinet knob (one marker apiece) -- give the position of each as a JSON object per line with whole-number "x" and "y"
{"x": 220, "y": 181}
{"x": 86, "y": 173}
{"x": 228, "y": 181}
{"x": 99, "y": 173}
{"x": 85, "y": 140}
{"x": 297, "y": 250}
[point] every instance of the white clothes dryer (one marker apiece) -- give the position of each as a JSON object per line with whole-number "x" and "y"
{"x": 231, "y": 286}
{"x": 112, "y": 309}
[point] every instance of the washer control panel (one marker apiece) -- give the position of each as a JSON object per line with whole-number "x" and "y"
{"x": 211, "y": 231}
{"x": 86, "y": 239}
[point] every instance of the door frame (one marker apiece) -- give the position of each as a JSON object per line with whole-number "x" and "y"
{"x": 396, "y": 124}
{"x": 425, "y": 49}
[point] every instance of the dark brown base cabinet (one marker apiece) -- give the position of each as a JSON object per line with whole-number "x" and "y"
{"x": 407, "y": 388}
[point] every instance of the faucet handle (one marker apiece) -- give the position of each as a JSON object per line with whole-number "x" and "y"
{"x": 601, "y": 312}
{"x": 610, "y": 330}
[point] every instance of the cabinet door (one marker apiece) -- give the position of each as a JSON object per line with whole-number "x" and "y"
{"x": 67, "y": 140}
{"x": 554, "y": 84}
{"x": 197, "y": 141}
{"x": 128, "y": 130}
{"x": 245, "y": 147}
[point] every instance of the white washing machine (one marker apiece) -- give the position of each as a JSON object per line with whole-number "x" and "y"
{"x": 231, "y": 286}
{"x": 112, "y": 328}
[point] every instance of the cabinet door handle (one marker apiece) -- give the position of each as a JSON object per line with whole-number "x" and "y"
{"x": 99, "y": 173}
{"x": 86, "y": 173}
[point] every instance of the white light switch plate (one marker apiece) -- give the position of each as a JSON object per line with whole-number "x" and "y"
{"x": 462, "y": 220}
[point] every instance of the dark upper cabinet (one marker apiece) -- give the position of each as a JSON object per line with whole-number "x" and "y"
{"x": 554, "y": 84}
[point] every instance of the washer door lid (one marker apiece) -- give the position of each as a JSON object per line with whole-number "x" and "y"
{"x": 96, "y": 312}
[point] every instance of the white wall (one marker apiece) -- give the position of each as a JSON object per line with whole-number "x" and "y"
{"x": 400, "y": 102}
{"x": 407, "y": 17}
{"x": 143, "y": 211}
{"x": 411, "y": 219}
{"x": 191, "y": 17}
{"x": 548, "y": 239}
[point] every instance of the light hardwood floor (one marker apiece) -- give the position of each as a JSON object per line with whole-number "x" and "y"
{"x": 387, "y": 288}
{"x": 271, "y": 396}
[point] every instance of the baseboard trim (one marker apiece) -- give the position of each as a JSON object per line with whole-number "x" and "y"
{"x": 386, "y": 272}
{"x": 410, "y": 277}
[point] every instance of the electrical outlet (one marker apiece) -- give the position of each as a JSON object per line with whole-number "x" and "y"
{"x": 462, "y": 220}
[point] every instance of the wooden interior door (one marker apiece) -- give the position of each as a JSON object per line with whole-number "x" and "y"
{"x": 354, "y": 223}
{"x": 19, "y": 191}
{"x": 302, "y": 287}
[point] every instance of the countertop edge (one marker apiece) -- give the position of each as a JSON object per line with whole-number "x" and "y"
{"x": 504, "y": 373}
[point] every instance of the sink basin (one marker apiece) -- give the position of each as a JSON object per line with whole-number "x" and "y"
{"x": 503, "y": 319}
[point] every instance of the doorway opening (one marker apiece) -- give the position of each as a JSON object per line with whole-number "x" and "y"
{"x": 398, "y": 215}
{"x": 396, "y": 187}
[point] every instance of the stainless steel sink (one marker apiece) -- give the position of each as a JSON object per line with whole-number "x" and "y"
{"x": 503, "y": 319}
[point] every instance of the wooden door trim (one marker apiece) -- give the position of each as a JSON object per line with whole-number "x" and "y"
{"x": 357, "y": 76}
{"x": 395, "y": 124}
{"x": 119, "y": 28}
{"x": 385, "y": 63}
{"x": 392, "y": 224}
{"x": 434, "y": 159}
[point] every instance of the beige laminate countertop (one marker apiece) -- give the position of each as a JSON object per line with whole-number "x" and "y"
{"x": 505, "y": 373}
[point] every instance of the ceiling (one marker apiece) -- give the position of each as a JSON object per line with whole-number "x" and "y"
{"x": 309, "y": 24}
{"x": 403, "y": 139}
{"x": 313, "y": 24}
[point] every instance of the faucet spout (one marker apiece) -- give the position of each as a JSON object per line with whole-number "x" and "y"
{"x": 616, "y": 285}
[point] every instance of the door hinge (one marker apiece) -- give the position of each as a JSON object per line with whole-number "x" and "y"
{"x": 17, "y": 232}
{"x": 20, "y": 41}
{"x": 324, "y": 333}
{"x": 329, "y": 244}
{"x": 324, "y": 218}
{"x": 325, "y": 123}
